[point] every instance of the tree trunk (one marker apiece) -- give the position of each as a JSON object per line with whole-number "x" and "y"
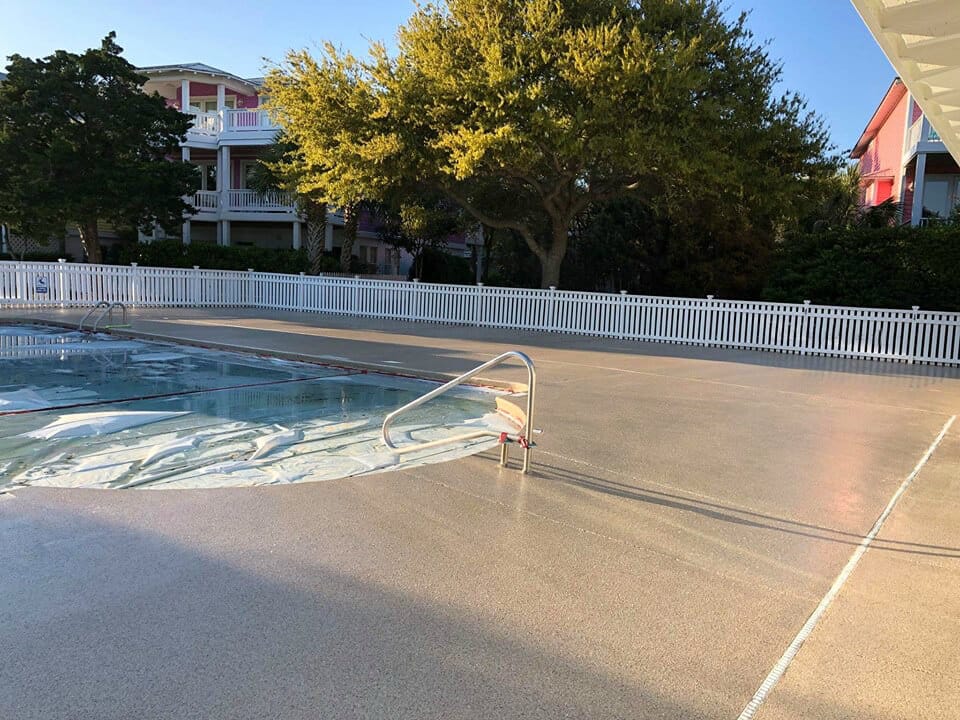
{"x": 90, "y": 238}
{"x": 316, "y": 214}
{"x": 552, "y": 259}
{"x": 349, "y": 236}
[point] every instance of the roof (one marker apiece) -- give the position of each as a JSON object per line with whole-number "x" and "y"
{"x": 201, "y": 69}
{"x": 894, "y": 94}
{"x": 921, "y": 38}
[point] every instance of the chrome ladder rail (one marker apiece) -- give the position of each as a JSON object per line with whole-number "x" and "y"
{"x": 523, "y": 438}
{"x": 123, "y": 317}
{"x": 106, "y": 308}
{"x": 91, "y": 311}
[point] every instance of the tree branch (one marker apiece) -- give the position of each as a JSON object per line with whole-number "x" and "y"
{"x": 489, "y": 220}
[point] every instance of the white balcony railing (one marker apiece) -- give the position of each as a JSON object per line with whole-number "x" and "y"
{"x": 915, "y": 136}
{"x": 206, "y": 201}
{"x": 252, "y": 201}
{"x": 212, "y": 124}
{"x": 245, "y": 120}
{"x": 206, "y": 123}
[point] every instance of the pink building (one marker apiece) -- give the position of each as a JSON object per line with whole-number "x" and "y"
{"x": 902, "y": 158}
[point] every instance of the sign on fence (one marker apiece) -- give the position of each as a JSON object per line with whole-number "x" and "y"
{"x": 41, "y": 288}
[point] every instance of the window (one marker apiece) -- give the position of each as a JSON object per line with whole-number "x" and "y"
{"x": 939, "y": 195}
{"x": 208, "y": 176}
{"x": 247, "y": 170}
{"x": 211, "y": 105}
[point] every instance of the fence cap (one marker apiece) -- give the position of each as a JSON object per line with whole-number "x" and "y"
{"x": 61, "y": 260}
{"x": 133, "y": 264}
{"x": 553, "y": 287}
{"x": 709, "y": 297}
{"x": 623, "y": 292}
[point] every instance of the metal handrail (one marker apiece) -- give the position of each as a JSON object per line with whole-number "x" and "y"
{"x": 107, "y": 308}
{"x": 123, "y": 317}
{"x": 524, "y": 438}
{"x": 91, "y": 311}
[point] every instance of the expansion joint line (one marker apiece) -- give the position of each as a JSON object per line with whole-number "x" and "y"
{"x": 794, "y": 647}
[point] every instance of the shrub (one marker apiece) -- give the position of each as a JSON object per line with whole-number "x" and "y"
{"x": 870, "y": 267}
{"x": 442, "y": 267}
{"x": 173, "y": 253}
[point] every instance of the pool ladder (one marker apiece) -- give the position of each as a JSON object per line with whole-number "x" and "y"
{"x": 106, "y": 309}
{"x": 523, "y": 438}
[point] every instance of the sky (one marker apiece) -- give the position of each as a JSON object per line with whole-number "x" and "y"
{"x": 828, "y": 56}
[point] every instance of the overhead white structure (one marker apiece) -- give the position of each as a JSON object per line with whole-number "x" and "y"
{"x": 921, "y": 38}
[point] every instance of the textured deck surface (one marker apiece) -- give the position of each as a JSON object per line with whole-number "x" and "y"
{"x": 687, "y": 512}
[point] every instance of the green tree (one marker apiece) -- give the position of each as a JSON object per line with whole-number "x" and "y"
{"x": 281, "y": 168}
{"x": 527, "y": 112}
{"x": 421, "y": 226}
{"x": 80, "y": 142}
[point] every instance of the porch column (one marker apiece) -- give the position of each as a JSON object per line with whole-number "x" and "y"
{"x": 296, "y": 234}
{"x": 918, "y": 183}
{"x": 221, "y": 104}
{"x": 185, "y": 234}
{"x": 225, "y": 232}
{"x": 184, "y": 95}
{"x": 224, "y": 177}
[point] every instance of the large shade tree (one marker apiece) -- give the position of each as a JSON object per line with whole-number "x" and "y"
{"x": 527, "y": 112}
{"x": 81, "y": 143}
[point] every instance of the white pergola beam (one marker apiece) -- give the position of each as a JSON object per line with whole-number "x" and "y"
{"x": 921, "y": 38}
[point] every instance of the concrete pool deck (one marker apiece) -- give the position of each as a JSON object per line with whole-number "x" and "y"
{"x": 688, "y": 510}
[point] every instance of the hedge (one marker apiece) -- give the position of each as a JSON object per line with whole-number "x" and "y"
{"x": 173, "y": 253}
{"x": 866, "y": 267}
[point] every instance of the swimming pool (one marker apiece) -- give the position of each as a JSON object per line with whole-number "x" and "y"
{"x": 98, "y": 411}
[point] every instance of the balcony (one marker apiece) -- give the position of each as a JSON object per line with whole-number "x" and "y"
{"x": 230, "y": 124}
{"x": 921, "y": 137}
{"x": 254, "y": 202}
{"x": 206, "y": 201}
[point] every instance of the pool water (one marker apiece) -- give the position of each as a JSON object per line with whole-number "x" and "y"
{"x": 81, "y": 410}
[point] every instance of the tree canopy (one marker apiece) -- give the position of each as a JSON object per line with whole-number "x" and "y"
{"x": 529, "y": 112}
{"x": 80, "y": 142}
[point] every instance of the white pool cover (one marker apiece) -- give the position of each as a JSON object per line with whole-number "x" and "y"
{"x": 99, "y": 412}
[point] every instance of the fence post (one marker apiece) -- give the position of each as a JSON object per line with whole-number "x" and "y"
{"x": 554, "y": 324}
{"x": 134, "y": 285}
{"x": 914, "y": 334}
{"x": 803, "y": 327}
{"x": 301, "y": 289}
{"x": 20, "y": 285}
{"x": 708, "y": 322}
{"x": 250, "y": 293}
{"x": 417, "y": 301}
{"x": 61, "y": 282}
{"x": 622, "y": 315}
{"x": 196, "y": 289}
{"x": 355, "y": 296}
{"x": 478, "y": 294}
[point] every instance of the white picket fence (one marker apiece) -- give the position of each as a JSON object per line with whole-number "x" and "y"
{"x": 897, "y": 335}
